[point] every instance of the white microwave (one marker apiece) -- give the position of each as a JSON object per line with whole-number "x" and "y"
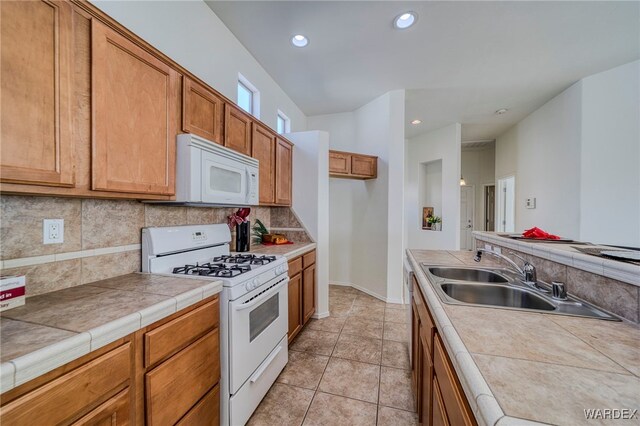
{"x": 208, "y": 173}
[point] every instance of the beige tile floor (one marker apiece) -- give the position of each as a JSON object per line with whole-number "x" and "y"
{"x": 351, "y": 368}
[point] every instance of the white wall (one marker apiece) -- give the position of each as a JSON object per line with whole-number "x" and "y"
{"x": 478, "y": 169}
{"x": 442, "y": 144}
{"x": 365, "y": 235}
{"x": 193, "y": 36}
{"x": 610, "y": 158}
{"x": 543, "y": 152}
{"x": 579, "y": 155}
{"x": 311, "y": 203}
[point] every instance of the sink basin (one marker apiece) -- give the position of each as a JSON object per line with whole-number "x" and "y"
{"x": 468, "y": 274}
{"x": 496, "y": 295}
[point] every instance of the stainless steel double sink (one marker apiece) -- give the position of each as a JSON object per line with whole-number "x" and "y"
{"x": 499, "y": 287}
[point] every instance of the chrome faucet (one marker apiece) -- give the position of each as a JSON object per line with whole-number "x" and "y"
{"x": 528, "y": 271}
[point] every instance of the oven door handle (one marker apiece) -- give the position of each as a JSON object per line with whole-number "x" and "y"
{"x": 263, "y": 296}
{"x": 265, "y": 365}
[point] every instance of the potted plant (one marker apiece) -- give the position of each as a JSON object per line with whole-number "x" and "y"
{"x": 435, "y": 222}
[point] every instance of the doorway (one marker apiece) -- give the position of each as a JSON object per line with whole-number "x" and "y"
{"x": 506, "y": 204}
{"x": 467, "y": 204}
{"x": 490, "y": 208}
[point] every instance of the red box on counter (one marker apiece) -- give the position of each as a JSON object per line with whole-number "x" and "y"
{"x": 12, "y": 292}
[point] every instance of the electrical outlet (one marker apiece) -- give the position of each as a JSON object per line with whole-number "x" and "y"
{"x": 487, "y": 246}
{"x": 53, "y": 231}
{"x": 497, "y": 250}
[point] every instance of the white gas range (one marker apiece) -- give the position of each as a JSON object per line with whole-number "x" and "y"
{"x": 253, "y": 307}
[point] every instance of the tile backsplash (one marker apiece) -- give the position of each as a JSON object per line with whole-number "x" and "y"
{"x": 101, "y": 237}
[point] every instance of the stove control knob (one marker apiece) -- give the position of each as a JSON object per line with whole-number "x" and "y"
{"x": 248, "y": 286}
{"x": 256, "y": 283}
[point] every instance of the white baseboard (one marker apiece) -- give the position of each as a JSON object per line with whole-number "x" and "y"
{"x": 320, "y": 315}
{"x": 365, "y": 290}
{"x": 340, "y": 283}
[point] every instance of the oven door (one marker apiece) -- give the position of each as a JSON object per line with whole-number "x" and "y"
{"x": 257, "y": 322}
{"x": 224, "y": 180}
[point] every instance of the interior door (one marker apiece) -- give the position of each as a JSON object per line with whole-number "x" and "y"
{"x": 490, "y": 208}
{"x": 466, "y": 216}
{"x": 506, "y": 204}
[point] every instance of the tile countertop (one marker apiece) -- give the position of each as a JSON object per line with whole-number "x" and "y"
{"x": 289, "y": 251}
{"x": 56, "y": 328}
{"x": 521, "y": 368}
{"x": 567, "y": 255}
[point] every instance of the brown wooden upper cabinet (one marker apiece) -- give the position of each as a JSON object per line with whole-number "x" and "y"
{"x": 284, "y": 169}
{"x": 263, "y": 148}
{"x": 237, "y": 129}
{"x": 135, "y": 116}
{"x": 202, "y": 111}
{"x": 349, "y": 165}
{"x": 36, "y": 144}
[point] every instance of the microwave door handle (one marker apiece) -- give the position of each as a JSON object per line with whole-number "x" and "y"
{"x": 248, "y": 194}
{"x": 263, "y": 296}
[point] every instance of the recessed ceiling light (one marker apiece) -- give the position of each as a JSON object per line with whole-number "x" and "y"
{"x": 501, "y": 111}
{"x": 405, "y": 20}
{"x": 416, "y": 122}
{"x": 299, "y": 40}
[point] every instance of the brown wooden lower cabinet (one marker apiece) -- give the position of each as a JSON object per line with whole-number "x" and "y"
{"x": 302, "y": 292}
{"x": 114, "y": 385}
{"x": 295, "y": 309}
{"x": 439, "y": 396}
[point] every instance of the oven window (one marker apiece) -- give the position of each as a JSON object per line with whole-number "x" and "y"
{"x": 262, "y": 316}
{"x": 224, "y": 180}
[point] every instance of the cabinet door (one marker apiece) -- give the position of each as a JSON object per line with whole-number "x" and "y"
{"x": 308, "y": 293}
{"x": 339, "y": 163}
{"x": 135, "y": 99}
{"x": 114, "y": 412}
{"x": 35, "y": 93}
{"x": 439, "y": 412}
{"x": 202, "y": 111}
{"x": 263, "y": 148}
{"x": 284, "y": 160}
{"x": 295, "y": 306}
{"x": 365, "y": 166}
{"x": 237, "y": 130}
{"x": 426, "y": 370}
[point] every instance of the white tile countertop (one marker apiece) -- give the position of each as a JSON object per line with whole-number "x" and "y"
{"x": 56, "y": 328}
{"x": 289, "y": 251}
{"x": 565, "y": 254}
{"x": 521, "y": 368}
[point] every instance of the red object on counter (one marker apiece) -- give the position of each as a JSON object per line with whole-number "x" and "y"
{"x": 274, "y": 244}
{"x": 539, "y": 234}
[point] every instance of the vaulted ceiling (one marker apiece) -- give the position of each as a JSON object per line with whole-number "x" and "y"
{"x": 461, "y": 61}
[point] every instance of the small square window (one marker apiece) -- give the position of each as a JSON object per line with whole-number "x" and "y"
{"x": 283, "y": 123}
{"x": 248, "y": 96}
{"x": 245, "y": 98}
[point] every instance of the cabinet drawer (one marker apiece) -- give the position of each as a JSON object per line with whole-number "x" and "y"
{"x": 309, "y": 259}
{"x": 114, "y": 412}
{"x": 206, "y": 412}
{"x": 177, "y": 384}
{"x": 67, "y": 397}
{"x": 169, "y": 338}
{"x": 428, "y": 325}
{"x": 295, "y": 266}
{"x": 455, "y": 403}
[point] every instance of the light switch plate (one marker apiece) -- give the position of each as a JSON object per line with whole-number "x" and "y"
{"x": 53, "y": 231}
{"x": 531, "y": 203}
